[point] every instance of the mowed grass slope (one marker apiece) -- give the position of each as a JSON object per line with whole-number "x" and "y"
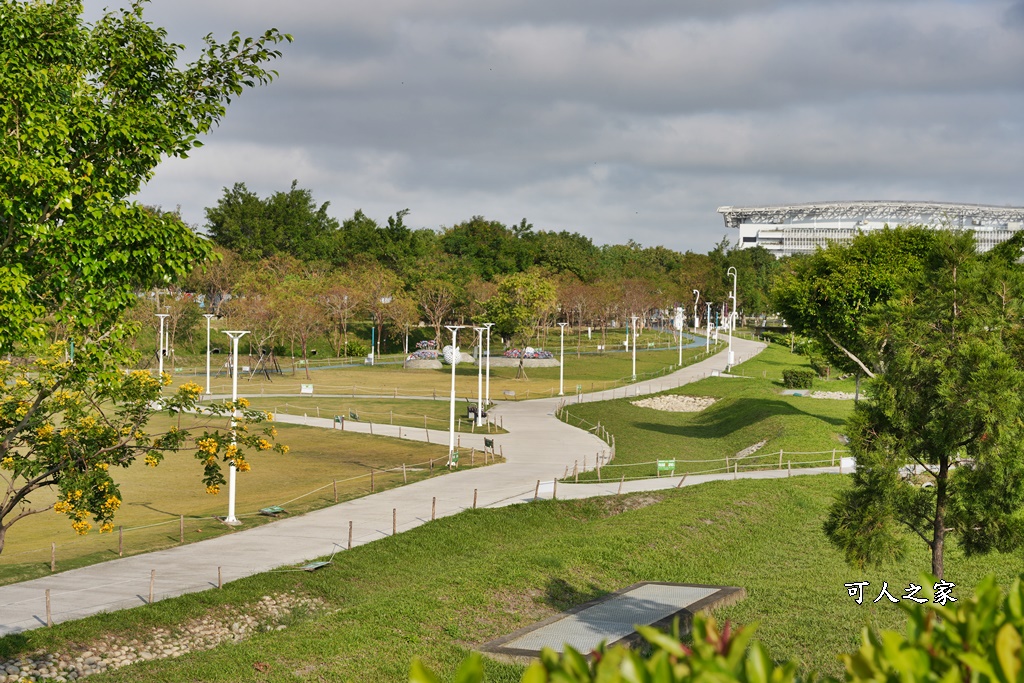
{"x": 157, "y": 496}
{"x": 446, "y": 587}
{"x": 746, "y": 412}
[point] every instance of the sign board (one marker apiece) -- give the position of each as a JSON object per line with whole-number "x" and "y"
{"x": 579, "y": 388}
{"x": 245, "y": 368}
{"x": 666, "y": 466}
{"x": 338, "y": 419}
{"x": 488, "y": 443}
{"x": 454, "y": 459}
{"x": 306, "y": 389}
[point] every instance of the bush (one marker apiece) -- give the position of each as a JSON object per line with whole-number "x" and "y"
{"x": 973, "y": 639}
{"x": 798, "y": 379}
{"x": 354, "y": 348}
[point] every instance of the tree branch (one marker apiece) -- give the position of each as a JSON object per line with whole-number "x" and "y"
{"x": 852, "y": 357}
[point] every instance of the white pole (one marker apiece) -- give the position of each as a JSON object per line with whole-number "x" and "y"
{"x": 451, "y": 411}
{"x": 561, "y": 362}
{"x": 696, "y": 318}
{"x": 680, "y": 364}
{"x": 634, "y": 348}
{"x": 160, "y": 353}
{"x": 235, "y": 336}
{"x": 479, "y": 377}
{"x": 208, "y": 317}
{"x": 732, "y": 313}
{"x": 707, "y": 340}
{"x": 487, "y": 381}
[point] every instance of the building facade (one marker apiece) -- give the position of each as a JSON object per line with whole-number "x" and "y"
{"x": 801, "y": 228}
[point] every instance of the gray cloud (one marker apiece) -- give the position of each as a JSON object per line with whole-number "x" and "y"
{"x": 618, "y": 120}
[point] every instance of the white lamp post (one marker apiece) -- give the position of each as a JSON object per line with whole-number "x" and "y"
{"x": 479, "y": 376}
{"x": 235, "y": 336}
{"x": 732, "y": 313}
{"x": 208, "y": 316}
{"x": 679, "y": 318}
{"x": 707, "y": 340}
{"x": 451, "y": 412}
{"x": 487, "y": 380}
{"x": 561, "y": 362}
{"x": 634, "y": 348}
{"x": 160, "y": 352}
{"x": 696, "y": 318}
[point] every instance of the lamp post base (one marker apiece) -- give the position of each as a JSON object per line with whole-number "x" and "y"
{"x": 732, "y": 359}
{"x": 232, "y": 521}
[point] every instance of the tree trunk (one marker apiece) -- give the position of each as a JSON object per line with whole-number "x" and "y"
{"x": 305, "y": 359}
{"x": 939, "y": 527}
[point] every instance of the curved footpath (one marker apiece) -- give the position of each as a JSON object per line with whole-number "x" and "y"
{"x": 537, "y": 447}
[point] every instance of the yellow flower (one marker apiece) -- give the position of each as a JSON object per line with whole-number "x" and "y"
{"x": 284, "y": 449}
{"x": 231, "y": 452}
{"x": 7, "y": 463}
{"x": 112, "y": 503}
{"x": 63, "y": 507}
{"x": 213, "y": 490}
{"x": 273, "y": 432}
{"x": 151, "y": 460}
{"x": 262, "y": 444}
{"x": 191, "y": 388}
{"x": 103, "y": 466}
{"x": 242, "y": 465}
{"x": 81, "y": 527}
{"x": 243, "y": 402}
{"x": 21, "y": 384}
{"x": 45, "y": 432}
{"x": 165, "y": 379}
{"x": 107, "y": 528}
{"x": 270, "y": 417}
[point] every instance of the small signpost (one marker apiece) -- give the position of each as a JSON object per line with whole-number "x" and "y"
{"x": 453, "y": 461}
{"x": 305, "y": 388}
{"x": 353, "y": 415}
{"x": 667, "y": 466}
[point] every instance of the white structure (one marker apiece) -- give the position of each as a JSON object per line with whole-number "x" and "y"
{"x": 801, "y": 228}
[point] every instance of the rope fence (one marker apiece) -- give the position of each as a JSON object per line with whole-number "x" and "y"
{"x": 490, "y": 425}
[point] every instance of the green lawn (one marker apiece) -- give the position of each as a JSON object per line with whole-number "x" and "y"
{"x": 747, "y": 411}
{"x": 448, "y": 586}
{"x": 302, "y": 480}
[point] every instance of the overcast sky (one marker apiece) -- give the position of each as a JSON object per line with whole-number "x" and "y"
{"x": 618, "y": 119}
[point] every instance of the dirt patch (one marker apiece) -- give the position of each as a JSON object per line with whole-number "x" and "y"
{"x": 676, "y": 403}
{"x": 616, "y": 505}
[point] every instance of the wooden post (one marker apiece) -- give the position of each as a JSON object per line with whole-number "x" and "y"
{"x": 152, "y": 583}
{"x": 181, "y": 528}
{"x": 472, "y": 457}
{"x": 394, "y": 521}
{"x": 554, "y": 490}
{"x": 392, "y": 413}
{"x": 458, "y": 441}
{"x": 460, "y": 425}
{"x": 431, "y": 465}
{"x": 405, "y": 476}
{"x": 220, "y": 578}
{"x": 474, "y": 499}
{"x": 833, "y": 457}
{"x": 350, "y": 534}
{"x": 371, "y": 427}
{"x": 335, "y": 490}
{"x": 371, "y": 481}
{"x": 681, "y": 480}
{"x": 53, "y": 557}
{"x": 501, "y": 450}
{"x": 736, "y": 470}
{"x": 536, "y": 490}
{"x": 120, "y": 540}
{"x": 790, "y": 468}
{"x": 621, "y": 481}
{"x": 576, "y": 471}
{"x": 433, "y": 508}
{"x": 428, "y": 434}
{"x": 502, "y": 420}
{"x": 49, "y": 617}
{"x": 598, "y": 472}
{"x": 780, "y": 458}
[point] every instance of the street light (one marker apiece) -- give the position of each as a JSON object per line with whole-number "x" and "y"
{"x": 732, "y": 313}
{"x": 451, "y": 412}
{"x": 561, "y": 362}
{"x": 696, "y": 318}
{"x": 707, "y": 340}
{"x": 208, "y": 316}
{"x": 634, "y": 348}
{"x": 479, "y": 376}
{"x": 160, "y": 352}
{"x": 487, "y": 381}
{"x": 235, "y": 336}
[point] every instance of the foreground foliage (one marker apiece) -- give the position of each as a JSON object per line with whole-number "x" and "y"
{"x": 977, "y": 640}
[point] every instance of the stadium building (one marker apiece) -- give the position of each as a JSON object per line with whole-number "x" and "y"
{"x": 802, "y": 228}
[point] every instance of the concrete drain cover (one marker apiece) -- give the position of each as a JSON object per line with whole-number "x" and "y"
{"x": 613, "y": 617}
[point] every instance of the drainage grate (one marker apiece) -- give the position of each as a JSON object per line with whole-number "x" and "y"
{"x": 613, "y": 618}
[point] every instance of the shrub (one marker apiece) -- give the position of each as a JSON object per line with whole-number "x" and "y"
{"x": 798, "y": 379}
{"x": 973, "y": 639}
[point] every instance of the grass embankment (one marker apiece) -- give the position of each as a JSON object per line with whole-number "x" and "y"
{"x": 591, "y": 372}
{"x": 747, "y": 410}
{"x": 450, "y": 585}
{"x": 422, "y": 414}
{"x": 158, "y": 496}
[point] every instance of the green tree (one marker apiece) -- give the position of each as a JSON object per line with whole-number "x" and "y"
{"x": 88, "y": 111}
{"x": 827, "y": 295}
{"x": 519, "y": 303}
{"x": 940, "y": 447}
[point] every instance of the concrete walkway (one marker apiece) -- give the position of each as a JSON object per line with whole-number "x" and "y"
{"x": 537, "y": 447}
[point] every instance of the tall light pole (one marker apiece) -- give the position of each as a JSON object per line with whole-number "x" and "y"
{"x": 561, "y": 362}
{"x": 235, "y": 336}
{"x": 634, "y": 348}
{"x": 732, "y": 313}
{"x": 696, "y": 318}
{"x": 679, "y": 326}
{"x": 487, "y": 380}
{"x": 208, "y": 316}
{"x": 451, "y": 412}
{"x": 160, "y": 351}
{"x": 707, "y": 340}
{"x": 479, "y": 375}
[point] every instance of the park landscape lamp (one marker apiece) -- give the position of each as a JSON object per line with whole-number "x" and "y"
{"x": 696, "y": 318}
{"x": 479, "y": 376}
{"x": 451, "y": 411}
{"x": 634, "y": 348}
{"x": 160, "y": 351}
{"x": 487, "y": 372}
{"x": 208, "y": 317}
{"x": 235, "y": 336}
{"x": 561, "y": 362}
{"x": 707, "y": 339}
{"x": 732, "y": 313}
